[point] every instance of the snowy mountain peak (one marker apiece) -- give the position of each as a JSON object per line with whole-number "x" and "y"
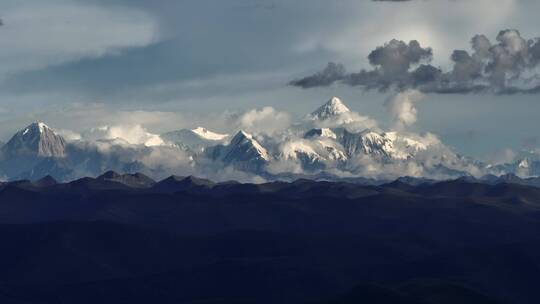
{"x": 37, "y": 127}
{"x": 207, "y": 134}
{"x": 332, "y": 108}
{"x": 42, "y": 126}
{"x": 196, "y": 140}
{"x": 37, "y": 139}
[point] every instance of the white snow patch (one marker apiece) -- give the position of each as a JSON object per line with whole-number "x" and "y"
{"x": 207, "y": 134}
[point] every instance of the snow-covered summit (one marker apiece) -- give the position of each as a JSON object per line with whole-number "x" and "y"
{"x": 209, "y": 135}
{"x": 335, "y": 114}
{"x": 37, "y": 139}
{"x": 37, "y": 127}
{"x": 196, "y": 140}
{"x": 333, "y": 107}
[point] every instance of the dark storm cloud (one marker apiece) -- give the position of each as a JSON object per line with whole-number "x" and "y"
{"x": 396, "y": 57}
{"x": 392, "y": 63}
{"x": 332, "y": 73}
{"x": 508, "y": 66}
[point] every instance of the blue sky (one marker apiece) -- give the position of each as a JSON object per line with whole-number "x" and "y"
{"x": 167, "y": 64}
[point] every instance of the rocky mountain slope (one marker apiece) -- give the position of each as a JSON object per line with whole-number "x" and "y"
{"x": 127, "y": 239}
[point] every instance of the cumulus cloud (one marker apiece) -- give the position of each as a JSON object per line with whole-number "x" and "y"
{"x": 391, "y": 63}
{"x": 332, "y": 72}
{"x": 83, "y": 118}
{"x": 131, "y": 134}
{"x": 509, "y": 65}
{"x": 266, "y": 120}
{"x": 351, "y": 121}
{"x": 69, "y": 135}
{"x": 394, "y": 59}
{"x": 402, "y": 107}
{"x": 502, "y": 156}
{"x": 364, "y": 165}
{"x": 163, "y": 161}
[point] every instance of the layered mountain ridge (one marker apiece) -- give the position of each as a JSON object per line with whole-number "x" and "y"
{"x": 123, "y": 238}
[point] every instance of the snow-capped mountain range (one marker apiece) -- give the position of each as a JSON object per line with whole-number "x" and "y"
{"x": 332, "y": 141}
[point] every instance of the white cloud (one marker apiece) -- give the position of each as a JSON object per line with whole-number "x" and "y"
{"x": 68, "y": 134}
{"x": 132, "y": 134}
{"x": 502, "y": 156}
{"x": 165, "y": 161}
{"x": 352, "y": 121}
{"x": 266, "y": 120}
{"x": 402, "y": 108}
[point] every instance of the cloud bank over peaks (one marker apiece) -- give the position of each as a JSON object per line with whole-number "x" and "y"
{"x": 261, "y": 144}
{"x": 266, "y": 120}
{"x": 510, "y": 64}
{"x": 130, "y": 134}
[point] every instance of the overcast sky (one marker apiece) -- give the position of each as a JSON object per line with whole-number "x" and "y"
{"x": 169, "y": 64}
